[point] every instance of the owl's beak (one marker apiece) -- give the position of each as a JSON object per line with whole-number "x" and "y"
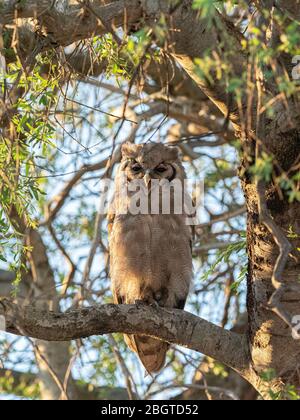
{"x": 147, "y": 178}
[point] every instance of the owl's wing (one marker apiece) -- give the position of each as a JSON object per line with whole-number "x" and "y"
{"x": 117, "y": 297}
{"x": 192, "y": 238}
{"x": 111, "y": 214}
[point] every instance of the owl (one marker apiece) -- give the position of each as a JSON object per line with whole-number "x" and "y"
{"x": 150, "y": 254}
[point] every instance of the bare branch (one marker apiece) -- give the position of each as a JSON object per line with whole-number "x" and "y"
{"x": 73, "y": 23}
{"x": 130, "y": 384}
{"x": 224, "y": 217}
{"x": 174, "y": 326}
{"x": 58, "y": 201}
{"x": 21, "y": 380}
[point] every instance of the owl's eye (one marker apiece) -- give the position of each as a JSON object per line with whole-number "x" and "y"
{"x": 161, "y": 169}
{"x": 136, "y": 168}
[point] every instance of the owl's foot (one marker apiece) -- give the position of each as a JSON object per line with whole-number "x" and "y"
{"x": 149, "y": 302}
{"x": 155, "y": 304}
{"x": 140, "y": 303}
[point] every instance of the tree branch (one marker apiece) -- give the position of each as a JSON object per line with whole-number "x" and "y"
{"x": 17, "y": 382}
{"x": 292, "y": 7}
{"x": 57, "y": 203}
{"x": 190, "y": 36}
{"x": 174, "y": 326}
{"x": 67, "y": 24}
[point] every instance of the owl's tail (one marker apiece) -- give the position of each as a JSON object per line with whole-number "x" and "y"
{"x": 151, "y": 352}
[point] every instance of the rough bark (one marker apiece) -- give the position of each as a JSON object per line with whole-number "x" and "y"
{"x": 173, "y": 326}
{"x": 190, "y": 35}
{"x": 271, "y": 342}
{"x": 177, "y": 327}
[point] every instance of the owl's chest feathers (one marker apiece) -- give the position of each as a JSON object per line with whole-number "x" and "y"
{"x": 149, "y": 230}
{"x": 149, "y": 246}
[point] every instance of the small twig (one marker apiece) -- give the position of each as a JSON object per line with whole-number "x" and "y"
{"x": 70, "y": 276}
{"x": 64, "y": 394}
{"x": 60, "y": 199}
{"x": 130, "y": 384}
{"x": 97, "y": 241}
{"x": 203, "y": 388}
{"x": 228, "y": 297}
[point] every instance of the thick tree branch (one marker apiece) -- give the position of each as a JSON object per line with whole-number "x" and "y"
{"x": 292, "y": 7}
{"x": 67, "y": 24}
{"x": 174, "y": 326}
{"x": 190, "y": 36}
{"x": 31, "y": 8}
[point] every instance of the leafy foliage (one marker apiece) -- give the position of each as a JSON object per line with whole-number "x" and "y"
{"x": 224, "y": 256}
{"x": 26, "y": 141}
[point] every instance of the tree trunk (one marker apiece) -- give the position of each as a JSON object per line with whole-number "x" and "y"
{"x": 272, "y": 345}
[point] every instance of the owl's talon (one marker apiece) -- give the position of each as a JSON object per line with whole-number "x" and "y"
{"x": 139, "y": 303}
{"x": 155, "y": 304}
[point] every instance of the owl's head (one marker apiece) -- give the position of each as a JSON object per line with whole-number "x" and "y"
{"x": 151, "y": 161}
